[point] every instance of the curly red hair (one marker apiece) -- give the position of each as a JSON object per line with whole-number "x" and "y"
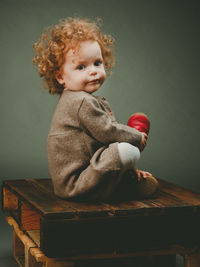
{"x": 56, "y": 41}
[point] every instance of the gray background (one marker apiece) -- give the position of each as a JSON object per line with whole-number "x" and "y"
{"x": 156, "y": 72}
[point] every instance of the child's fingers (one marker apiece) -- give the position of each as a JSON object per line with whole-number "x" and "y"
{"x": 138, "y": 172}
{"x": 142, "y": 174}
{"x": 145, "y": 174}
{"x": 143, "y": 141}
{"x": 145, "y": 135}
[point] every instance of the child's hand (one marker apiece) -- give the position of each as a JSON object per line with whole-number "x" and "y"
{"x": 143, "y": 141}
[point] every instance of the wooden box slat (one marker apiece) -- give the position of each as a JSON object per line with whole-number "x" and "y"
{"x": 10, "y": 200}
{"x": 183, "y": 194}
{"x": 30, "y": 218}
{"x": 79, "y": 208}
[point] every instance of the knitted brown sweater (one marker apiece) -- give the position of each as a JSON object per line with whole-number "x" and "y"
{"x": 82, "y": 146}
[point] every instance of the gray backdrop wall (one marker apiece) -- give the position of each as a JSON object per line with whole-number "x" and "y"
{"x": 157, "y": 72}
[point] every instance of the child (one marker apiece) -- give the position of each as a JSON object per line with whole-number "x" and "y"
{"x": 90, "y": 155}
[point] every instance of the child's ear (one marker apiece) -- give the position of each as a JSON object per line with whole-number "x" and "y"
{"x": 59, "y": 77}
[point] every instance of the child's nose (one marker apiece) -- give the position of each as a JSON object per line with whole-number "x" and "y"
{"x": 93, "y": 71}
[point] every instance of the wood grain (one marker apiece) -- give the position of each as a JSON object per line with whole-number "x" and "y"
{"x": 10, "y": 200}
{"x": 30, "y": 219}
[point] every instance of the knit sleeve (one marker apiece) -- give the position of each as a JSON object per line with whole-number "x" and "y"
{"x": 99, "y": 124}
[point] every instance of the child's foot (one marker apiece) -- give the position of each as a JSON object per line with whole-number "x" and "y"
{"x": 139, "y": 121}
{"x": 142, "y": 174}
{"x": 146, "y": 184}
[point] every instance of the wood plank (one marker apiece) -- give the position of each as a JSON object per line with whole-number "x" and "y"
{"x": 114, "y": 208}
{"x": 160, "y": 203}
{"x": 169, "y": 203}
{"x": 18, "y": 248}
{"x": 35, "y": 236}
{"x": 30, "y": 260}
{"x": 126, "y": 208}
{"x": 81, "y": 209}
{"x": 21, "y": 235}
{"x": 30, "y": 219}
{"x": 181, "y": 193}
{"x": 10, "y": 200}
{"x": 166, "y": 200}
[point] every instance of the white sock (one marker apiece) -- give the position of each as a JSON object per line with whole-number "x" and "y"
{"x": 129, "y": 155}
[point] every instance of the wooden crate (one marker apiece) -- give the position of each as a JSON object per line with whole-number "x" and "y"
{"x": 73, "y": 230}
{"x": 26, "y": 252}
{"x": 26, "y": 249}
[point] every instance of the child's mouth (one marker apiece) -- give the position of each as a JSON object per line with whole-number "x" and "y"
{"x": 94, "y": 81}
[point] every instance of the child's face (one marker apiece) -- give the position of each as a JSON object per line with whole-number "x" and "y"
{"x": 83, "y": 69}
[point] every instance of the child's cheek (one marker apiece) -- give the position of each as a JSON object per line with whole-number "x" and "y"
{"x": 103, "y": 75}
{"x": 83, "y": 78}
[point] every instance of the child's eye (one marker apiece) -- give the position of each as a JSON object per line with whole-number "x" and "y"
{"x": 80, "y": 67}
{"x": 97, "y": 62}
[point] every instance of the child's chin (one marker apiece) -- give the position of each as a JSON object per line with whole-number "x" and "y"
{"x": 92, "y": 89}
